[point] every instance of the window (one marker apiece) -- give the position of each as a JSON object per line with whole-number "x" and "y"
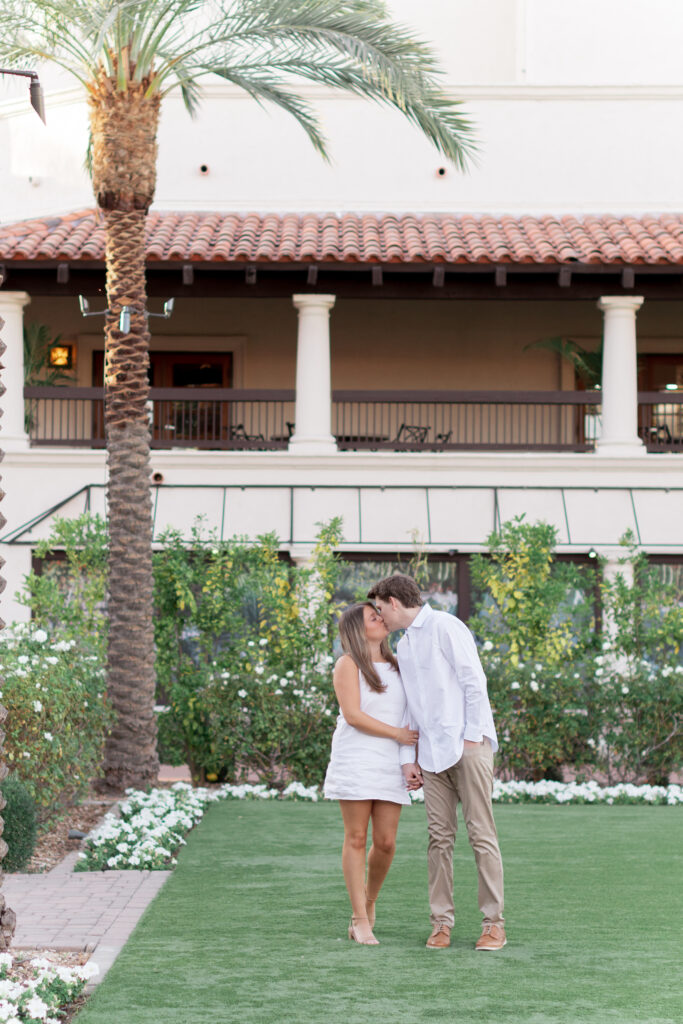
{"x": 440, "y": 577}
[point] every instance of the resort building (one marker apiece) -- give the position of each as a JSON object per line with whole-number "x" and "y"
{"x": 362, "y": 339}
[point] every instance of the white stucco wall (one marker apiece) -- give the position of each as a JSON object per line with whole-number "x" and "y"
{"x": 576, "y": 107}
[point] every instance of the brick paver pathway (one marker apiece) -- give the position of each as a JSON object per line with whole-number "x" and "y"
{"x": 93, "y": 910}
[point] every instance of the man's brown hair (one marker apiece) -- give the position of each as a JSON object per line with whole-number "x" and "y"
{"x": 403, "y": 588}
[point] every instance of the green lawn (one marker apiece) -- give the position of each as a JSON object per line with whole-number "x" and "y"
{"x": 251, "y": 928}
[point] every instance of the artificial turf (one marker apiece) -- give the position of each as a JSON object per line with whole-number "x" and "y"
{"x": 251, "y": 927}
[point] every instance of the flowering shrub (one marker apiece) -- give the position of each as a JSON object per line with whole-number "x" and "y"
{"x": 37, "y": 999}
{"x": 640, "y": 675}
{"x": 537, "y": 636}
{"x": 544, "y": 715}
{"x": 244, "y": 656}
{"x": 642, "y": 712}
{"x": 54, "y": 688}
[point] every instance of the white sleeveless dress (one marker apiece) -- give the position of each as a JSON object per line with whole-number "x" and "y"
{"x": 364, "y": 767}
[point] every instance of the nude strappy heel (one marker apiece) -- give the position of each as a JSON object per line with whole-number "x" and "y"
{"x": 371, "y": 941}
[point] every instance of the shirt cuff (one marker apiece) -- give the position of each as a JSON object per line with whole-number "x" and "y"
{"x": 406, "y": 755}
{"x": 473, "y": 733}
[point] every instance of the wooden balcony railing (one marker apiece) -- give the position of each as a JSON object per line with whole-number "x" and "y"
{"x": 232, "y": 419}
{"x": 216, "y": 418}
{"x": 457, "y": 420}
{"x": 660, "y": 420}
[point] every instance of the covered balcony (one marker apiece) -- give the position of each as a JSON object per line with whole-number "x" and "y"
{"x": 407, "y": 334}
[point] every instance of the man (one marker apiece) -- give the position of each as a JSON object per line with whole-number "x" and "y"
{"x": 447, "y": 700}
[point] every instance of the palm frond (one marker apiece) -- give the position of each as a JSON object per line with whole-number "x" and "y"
{"x": 346, "y": 44}
{"x": 587, "y": 364}
{"x": 263, "y": 88}
{"x": 191, "y": 94}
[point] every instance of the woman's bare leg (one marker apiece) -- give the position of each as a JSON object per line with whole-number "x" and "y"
{"x": 385, "y": 817}
{"x": 356, "y": 816}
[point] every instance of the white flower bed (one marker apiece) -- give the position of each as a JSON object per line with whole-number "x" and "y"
{"x": 152, "y": 825}
{"x": 148, "y": 832}
{"x": 584, "y": 793}
{"x": 503, "y": 793}
{"x": 38, "y": 999}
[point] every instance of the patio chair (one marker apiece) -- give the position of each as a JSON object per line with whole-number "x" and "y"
{"x": 410, "y": 433}
{"x": 238, "y": 433}
{"x": 658, "y": 433}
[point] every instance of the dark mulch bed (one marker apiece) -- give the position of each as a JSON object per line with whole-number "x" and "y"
{"x": 53, "y": 845}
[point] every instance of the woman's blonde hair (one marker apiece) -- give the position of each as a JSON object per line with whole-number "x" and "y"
{"x": 354, "y": 643}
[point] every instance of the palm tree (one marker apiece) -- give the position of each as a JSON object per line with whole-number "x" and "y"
{"x": 128, "y": 55}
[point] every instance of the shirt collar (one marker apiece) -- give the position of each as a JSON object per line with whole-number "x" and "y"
{"x": 422, "y": 617}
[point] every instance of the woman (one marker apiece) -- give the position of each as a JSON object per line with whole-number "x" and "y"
{"x": 364, "y": 773}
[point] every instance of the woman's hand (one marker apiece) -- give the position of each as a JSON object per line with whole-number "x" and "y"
{"x": 412, "y": 773}
{"x": 406, "y": 737}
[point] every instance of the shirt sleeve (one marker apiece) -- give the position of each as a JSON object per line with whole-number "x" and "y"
{"x": 460, "y": 651}
{"x": 406, "y": 755}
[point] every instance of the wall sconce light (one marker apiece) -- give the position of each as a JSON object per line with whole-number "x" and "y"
{"x": 62, "y": 356}
{"x": 592, "y": 553}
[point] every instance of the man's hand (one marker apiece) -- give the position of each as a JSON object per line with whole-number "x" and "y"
{"x": 412, "y": 775}
{"x": 472, "y": 743}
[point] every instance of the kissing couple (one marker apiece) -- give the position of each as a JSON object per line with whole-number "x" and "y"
{"x": 419, "y": 718}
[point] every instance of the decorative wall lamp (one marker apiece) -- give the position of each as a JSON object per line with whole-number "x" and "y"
{"x": 62, "y": 357}
{"x": 35, "y": 90}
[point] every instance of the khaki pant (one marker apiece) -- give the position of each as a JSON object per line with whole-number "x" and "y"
{"x": 469, "y": 782}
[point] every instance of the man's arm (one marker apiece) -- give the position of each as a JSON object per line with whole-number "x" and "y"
{"x": 460, "y": 651}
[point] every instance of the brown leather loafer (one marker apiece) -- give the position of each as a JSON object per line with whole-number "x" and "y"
{"x": 440, "y": 937}
{"x": 492, "y": 937}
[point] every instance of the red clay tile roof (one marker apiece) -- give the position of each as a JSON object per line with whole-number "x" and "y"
{"x": 360, "y": 238}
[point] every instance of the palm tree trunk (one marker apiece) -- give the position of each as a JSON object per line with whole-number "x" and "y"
{"x": 130, "y": 757}
{"x": 124, "y": 127}
{"x": 7, "y": 917}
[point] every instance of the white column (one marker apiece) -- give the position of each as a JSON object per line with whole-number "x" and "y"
{"x": 313, "y": 417}
{"x": 619, "y": 435}
{"x": 13, "y": 436}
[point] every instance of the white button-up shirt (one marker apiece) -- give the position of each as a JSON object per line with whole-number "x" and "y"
{"x": 445, "y": 687}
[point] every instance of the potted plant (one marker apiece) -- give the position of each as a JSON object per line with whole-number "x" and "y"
{"x": 38, "y": 372}
{"x": 588, "y": 369}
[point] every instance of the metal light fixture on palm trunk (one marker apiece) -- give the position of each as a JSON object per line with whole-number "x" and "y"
{"x": 124, "y": 315}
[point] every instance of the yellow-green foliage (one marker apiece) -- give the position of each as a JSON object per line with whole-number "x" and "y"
{"x": 525, "y": 609}
{"x": 535, "y": 625}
